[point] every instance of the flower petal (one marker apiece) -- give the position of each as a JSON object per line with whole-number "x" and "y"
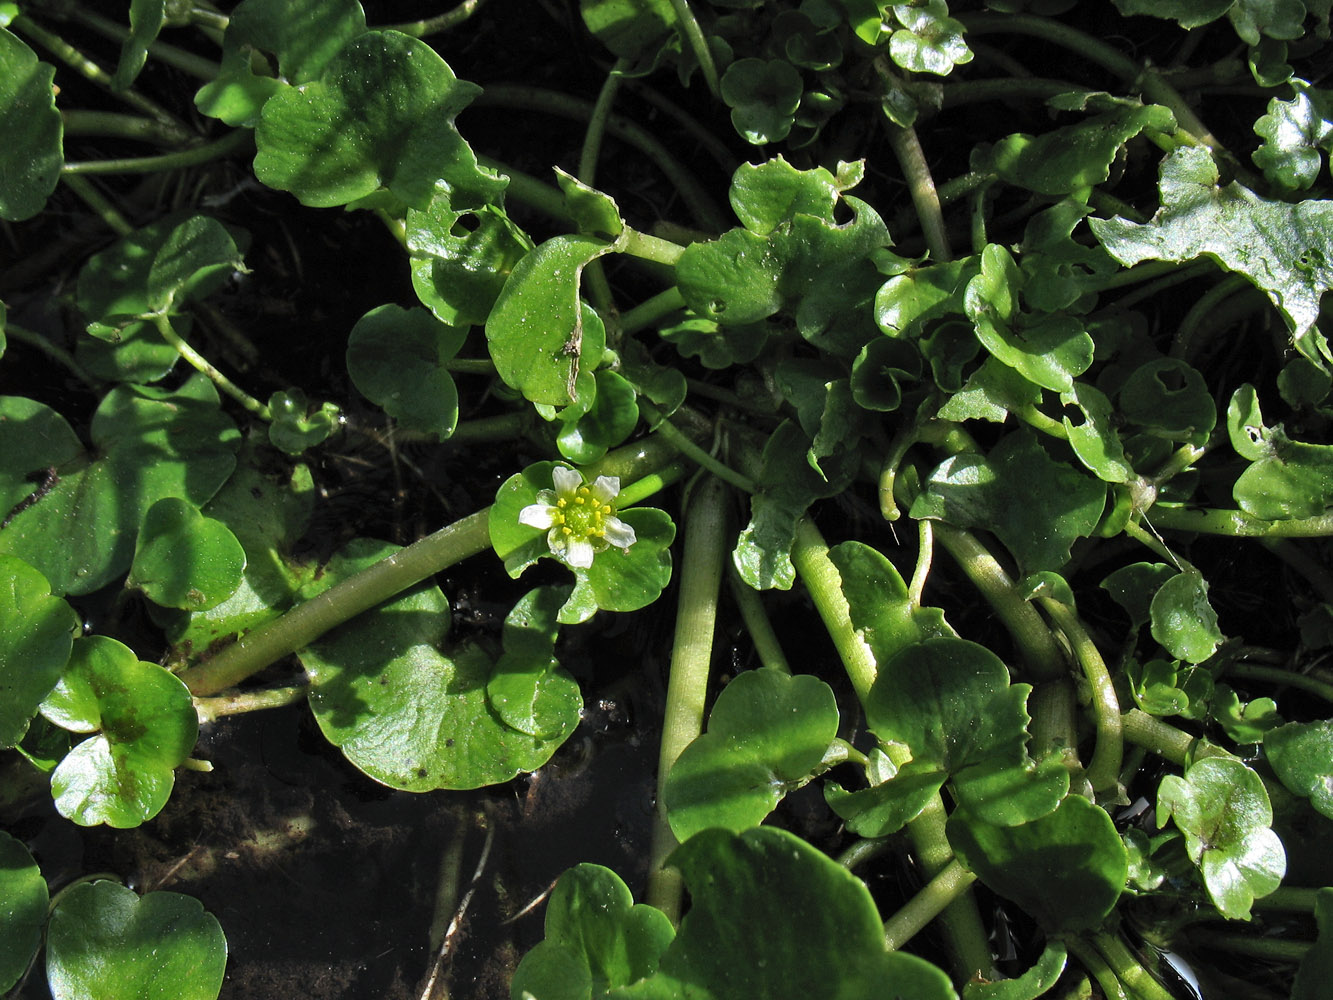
{"x": 579, "y": 552}
{"x": 617, "y": 532}
{"x": 566, "y": 480}
{"x": 606, "y": 489}
{"x": 537, "y": 515}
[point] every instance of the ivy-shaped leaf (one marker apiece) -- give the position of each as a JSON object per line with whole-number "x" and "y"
{"x": 763, "y": 96}
{"x": 380, "y": 116}
{"x": 1285, "y": 249}
{"x": 767, "y": 733}
{"x": 146, "y": 20}
{"x": 1168, "y": 398}
{"x": 1285, "y": 478}
{"x": 32, "y": 154}
{"x": 1093, "y": 436}
{"x": 1133, "y": 587}
{"x": 597, "y": 938}
{"x": 1294, "y": 133}
{"x": 767, "y": 194}
{"x": 295, "y": 427}
{"x": 796, "y": 923}
{"x": 1066, "y": 869}
{"x": 1035, "y": 505}
{"x": 1222, "y": 808}
{"x": 1030, "y": 985}
{"x": 145, "y": 726}
{"x": 586, "y": 437}
{"x": 927, "y": 40}
{"x": 103, "y": 940}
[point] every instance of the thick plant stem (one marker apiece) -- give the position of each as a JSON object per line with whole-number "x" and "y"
{"x": 21, "y": 335}
{"x": 1156, "y": 736}
{"x": 205, "y": 366}
{"x": 1104, "y": 768}
{"x": 948, "y": 884}
{"x": 691, "y": 654}
{"x": 592, "y": 138}
{"x": 694, "y": 34}
{"x": 239, "y": 702}
{"x": 308, "y": 621}
{"x": 1270, "y": 949}
{"x": 961, "y": 921}
{"x": 1128, "y": 969}
{"x": 186, "y": 62}
{"x": 912, "y": 160}
{"x": 122, "y": 126}
{"x": 751, "y": 607}
{"x": 451, "y": 18}
{"x": 648, "y": 312}
{"x": 1238, "y": 524}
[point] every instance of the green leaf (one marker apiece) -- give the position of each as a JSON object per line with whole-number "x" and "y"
{"x": 1066, "y": 869}
{"x": 529, "y": 690}
{"x": 1035, "y": 505}
{"x": 906, "y": 302}
{"x": 928, "y": 41}
{"x": 1061, "y": 272}
{"x": 303, "y": 35}
{"x": 1244, "y": 722}
{"x": 79, "y": 525}
{"x": 461, "y": 257}
{"x": 403, "y": 711}
{"x": 1183, "y": 620}
{"x": 896, "y": 795}
{"x": 1163, "y": 688}
{"x": 32, "y": 155}
{"x": 146, "y": 20}
{"x": 23, "y": 910}
{"x": 593, "y": 212}
{"x": 1031, "y": 984}
{"x": 625, "y": 579}
{"x": 545, "y": 341}
{"x": 796, "y": 925}
{"x": 597, "y": 938}
{"x": 882, "y": 370}
{"x": 396, "y": 358}
{"x": 1301, "y": 754}
{"x": 613, "y": 417}
{"x": 146, "y": 727}
{"x": 1316, "y": 967}
{"x": 763, "y": 96}
{"x": 1133, "y": 587}
{"x": 1093, "y": 437}
{"x": 992, "y": 392}
{"x": 632, "y": 29}
{"x": 1169, "y": 399}
{"x": 1222, "y": 808}
{"x": 1050, "y": 350}
{"x": 765, "y": 195}
{"x": 1294, "y": 133}
{"x": 767, "y": 733}
{"x": 185, "y": 560}
{"x": 36, "y": 633}
{"x": 1286, "y": 478}
{"x": 1068, "y": 159}
{"x": 104, "y": 941}
{"x": 1284, "y": 249}
{"x": 194, "y": 258}
{"x": 879, "y": 603}
{"x": 380, "y": 116}
{"x": 294, "y": 428}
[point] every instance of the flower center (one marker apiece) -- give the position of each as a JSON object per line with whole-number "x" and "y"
{"x": 580, "y": 515}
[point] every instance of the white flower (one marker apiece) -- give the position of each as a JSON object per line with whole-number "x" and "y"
{"x": 581, "y": 518}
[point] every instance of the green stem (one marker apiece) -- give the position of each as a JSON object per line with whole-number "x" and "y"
{"x": 691, "y": 653}
{"x": 1004, "y": 88}
{"x": 239, "y": 702}
{"x": 1238, "y": 524}
{"x": 653, "y": 248}
{"x": 230, "y": 143}
{"x": 949, "y": 884}
{"x": 1038, "y": 648}
{"x": 1152, "y": 84}
{"x": 1104, "y": 767}
{"x": 682, "y": 443}
{"x": 1156, "y": 736}
{"x": 530, "y": 191}
{"x": 1112, "y": 988}
{"x": 1194, "y": 319}
{"x": 552, "y": 102}
{"x": 470, "y": 366}
{"x": 925, "y": 551}
{"x": 309, "y": 620}
{"x": 1287, "y": 678}
{"x": 1034, "y": 418}
{"x": 499, "y": 428}
{"x": 1289, "y": 898}
{"x": 440, "y": 22}
{"x": 861, "y": 851}
{"x": 751, "y": 607}
{"x": 89, "y": 70}
{"x": 1271, "y": 949}
{"x": 1128, "y": 969}
{"x": 36, "y": 341}
{"x": 921, "y": 185}
{"x": 1154, "y": 284}
{"x": 205, "y": 366}
{"x": 1151, "y": 271}
{"x": 115, "y": 124}
{"x": 186, "y": 62}
{"x": 90, "y": 196}
{"x": 652, "y": 310}
{"x": 1150, "y": 541}
{"x": 698, "y": 44}
{"x": 652, "y": 483}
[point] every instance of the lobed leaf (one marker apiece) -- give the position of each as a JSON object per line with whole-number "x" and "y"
{"x": 1301, "y": 754}
{"x": 397, "y": 358}
{"x": 32, "y": 154}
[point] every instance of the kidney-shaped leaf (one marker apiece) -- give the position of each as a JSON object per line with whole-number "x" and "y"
{"x": 773, "y": 917}
{"x": 36, "y": 632}
{"x": 145, "y": 726}
{"x": 767, "y": 732}
{"x": 1302, "y": 757}
{"x": 1067, "y": 869}
{"x": 104, "y": 941}
{"x": 1222, "y": 808}
{"x": 529, "y": 690}
{"x": 1183, "y": 620}
{"x": 396, "y": 358}
{"x": 381, "y": 116}
{"x": 185, "y": 560}
{"x": 404, "y": 712}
